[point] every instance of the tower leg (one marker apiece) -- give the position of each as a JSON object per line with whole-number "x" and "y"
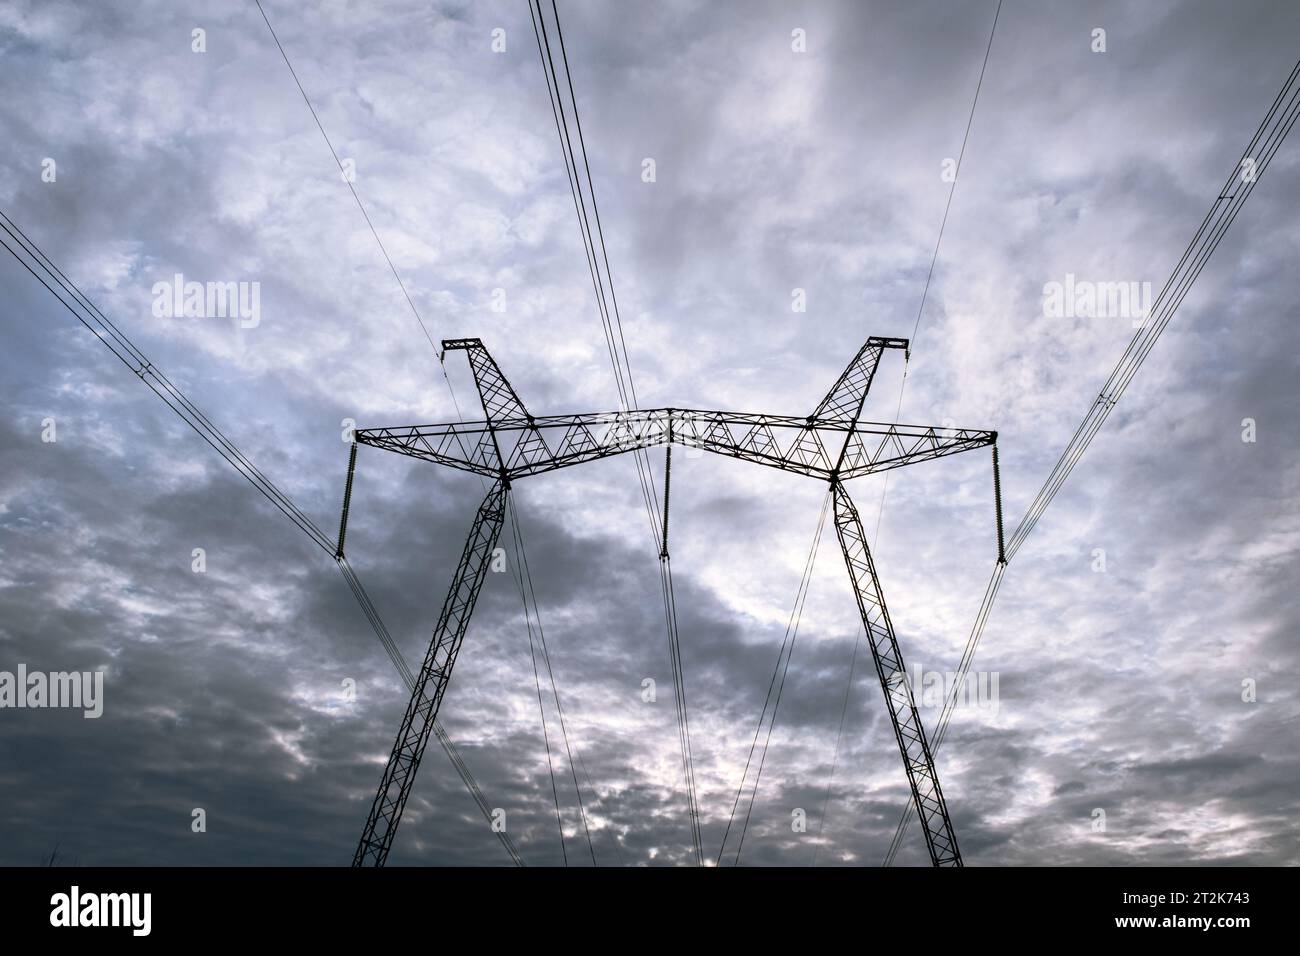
{"x": 399, "y": 774}
{"x": 912, "y": 743}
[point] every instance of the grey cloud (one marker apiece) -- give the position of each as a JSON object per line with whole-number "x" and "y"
{"x": 1120, "y": 690}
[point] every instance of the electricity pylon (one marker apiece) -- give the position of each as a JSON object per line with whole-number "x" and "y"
{"x": 830, "y": 444}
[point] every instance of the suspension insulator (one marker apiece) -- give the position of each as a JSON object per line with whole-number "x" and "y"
{"x": 997, "y": 504}
{"x": 668, "y": 472}
{"x": 347, "y": 500}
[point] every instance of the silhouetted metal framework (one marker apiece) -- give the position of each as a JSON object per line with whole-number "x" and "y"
{"x": 510, "y": 443}
{"x": 426, "y": 697}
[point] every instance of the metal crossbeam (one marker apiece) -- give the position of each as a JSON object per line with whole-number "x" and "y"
{"x": 830, "y": 444}
{"x": 810, "y": 446}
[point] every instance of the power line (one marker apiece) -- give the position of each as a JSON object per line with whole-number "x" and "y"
{"x": 618, "y": 318}
{"x": 794, "y": 636}
{"x": 1259, "y": 152}
{"x": 617, "y": 350}
{"x": 618, "y": 360}
{"x": 344, "y": 174}
{"x": 521, "y": 557}
{"x": 387, "y": 258}
{"x": 416, "y": 313}
{"x": 785, "y": 651}
{"x": 537, "y": 681}
{"x": 365, "y": 214}
{"x": 934, "y": 258}
{"x": 72, "y": 299}
{"x": 70, "y": 296}
{"x": 675, "y": 654}
{"x": 839, "y": 736}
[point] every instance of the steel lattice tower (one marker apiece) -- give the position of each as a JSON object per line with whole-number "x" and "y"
{"x": 830, "y": 444}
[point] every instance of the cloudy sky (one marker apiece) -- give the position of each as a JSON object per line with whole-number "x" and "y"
{"x": 1119, "y": 690}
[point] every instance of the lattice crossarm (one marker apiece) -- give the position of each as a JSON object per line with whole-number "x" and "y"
{"x": 467, "y": 447}
{"x": 873, "y": 448}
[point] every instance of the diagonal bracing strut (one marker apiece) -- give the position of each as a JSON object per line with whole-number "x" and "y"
{"x": 510, "y": 443}
{"x": 431, "y": 685}
{"x": 912, "y": 743}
